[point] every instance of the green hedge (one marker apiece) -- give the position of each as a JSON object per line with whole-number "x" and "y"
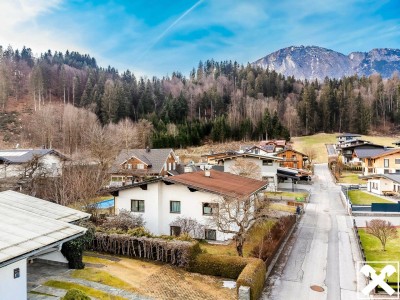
{"x": 253, "y": 275}
{"x": 248, "y": 271}
{"x": 219, "y": 265}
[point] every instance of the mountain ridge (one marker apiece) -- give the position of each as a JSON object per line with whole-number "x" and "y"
{"x": 314, "y": 62}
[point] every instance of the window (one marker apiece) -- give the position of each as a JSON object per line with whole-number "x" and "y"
{"x": 175, "y": 230}
{"x": 386, "y": 163}
{"x": 175, "y": 207}
{"x": 397, "y": 161}
{"x": 385, "y": 171}
{"x": 137, "y": 205}
{"x": 140, "y": 166}
{"x": 129, "y": 166}
{"x": 54, "y": 166}
{"x": 210, "y": 234}
{"x": 267, "y": 162}
{"x": 209, "y": 208}
{"x": 169, "y": 166}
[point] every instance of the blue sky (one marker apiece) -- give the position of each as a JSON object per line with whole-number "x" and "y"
{"x": 159, "y": 37}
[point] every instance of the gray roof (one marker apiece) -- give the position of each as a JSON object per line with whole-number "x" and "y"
{"x": 20, "y": 156}
{"x": 156, "y": 158}
{"x": 23, "y": 230}
{"x": 346, "y": 134}
{"x": 365, "y": 153}
{"x": 42, "y": 207}
{"x": 391, "y": 176}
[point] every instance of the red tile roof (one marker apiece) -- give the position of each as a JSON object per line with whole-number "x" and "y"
{"x": 221, "y": 183}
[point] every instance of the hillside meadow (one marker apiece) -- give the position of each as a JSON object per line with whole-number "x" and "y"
{"x": 301, "y": 143}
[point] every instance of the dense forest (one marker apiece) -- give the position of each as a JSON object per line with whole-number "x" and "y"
{"x": 219, "y": 101}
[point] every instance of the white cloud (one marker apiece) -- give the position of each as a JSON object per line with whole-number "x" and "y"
{"x": 20, "y": 26}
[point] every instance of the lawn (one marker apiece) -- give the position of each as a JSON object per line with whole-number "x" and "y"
{"x": 91, "y": 292}
{"x": 318, "y": 141}
{"x": 373, "y": 250}
{"x": 254, "y": 237}
{"x": 283, "y": 207}
{"x": 358, "y": 197}
{"x": 102, "y": 277}
{"x": 153, "y": 279}
{"x": 287, "y": 194}
{"x": 350, "y": 178}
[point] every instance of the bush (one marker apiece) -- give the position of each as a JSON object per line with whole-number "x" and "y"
{"x": 253, "y": 275}
{"x": 219, "y": 265}
{"x": 73, "y": 250}
{"x": 74, "y": 294}
{"x": 273, "y": 238}
{"x": 178, "y": 253}
{"x": 124, "y": 221}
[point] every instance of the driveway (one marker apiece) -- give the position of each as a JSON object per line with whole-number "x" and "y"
{"x": 319, "y": 260}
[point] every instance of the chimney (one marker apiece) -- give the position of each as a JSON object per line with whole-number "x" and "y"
{"x": 147, "y": 149}
{"x": 207, "y": 173}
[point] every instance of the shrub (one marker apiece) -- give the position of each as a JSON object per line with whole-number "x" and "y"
{"x": 253, "y": 275}
{"x": 73, "y": 250}
{"x": 175, "y": 252}
{"x": 74, "y": 294}
{"x": 219, "y": 265}
{"x": 124, "y": 221}
{"x": 139, "y": 231}
{"x": 273, "y": 237}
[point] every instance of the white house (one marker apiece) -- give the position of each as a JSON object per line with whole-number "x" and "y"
{"x": 190, "y": 195}
{"x": 382, "y": 184}
{"x": 31, "y": 228}
{"x": 22, "y": 162}
{"x": 268, "y": 166}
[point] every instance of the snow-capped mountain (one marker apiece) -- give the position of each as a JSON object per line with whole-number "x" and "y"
{"x": 312, "y": 62}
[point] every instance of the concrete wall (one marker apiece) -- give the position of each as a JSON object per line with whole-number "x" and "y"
{"x": 13, "y": 288}
{"x": 157, "y": 199}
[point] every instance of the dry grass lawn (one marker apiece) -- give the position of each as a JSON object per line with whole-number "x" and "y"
{"x": 302, "y": 143}
{"x": 161, "y": 281}
{"x": 254, "y": 237}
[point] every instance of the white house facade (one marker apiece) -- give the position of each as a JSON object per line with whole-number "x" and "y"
{"x": 19, "y": 162}
{"x": 162, "y": 201}
{"x": 383, "y": 183}
{"x": 268, "y": 166}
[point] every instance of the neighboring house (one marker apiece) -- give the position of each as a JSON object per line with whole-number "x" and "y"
{"x": 192, "y": 195}
{"x": 136, "y": 164}
{"x": 292, "y": 159}
{"x": 348, "y": 153}
{"x": 31, "y": 228}
{"x": 382, "y": 163}
{"x": 182, "y": 169}
{"x": 272, "y": 146}
{"x": 255, "y": 150}
{"x": 31, "y": 162}
{"x": 347, "y": 137}
{"x": 382, "y": 184}
{"x": 268, "y": 166}
{"x": 213, "y": 158}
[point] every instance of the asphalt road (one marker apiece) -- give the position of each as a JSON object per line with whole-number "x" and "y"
{"x": 322, "y": 252}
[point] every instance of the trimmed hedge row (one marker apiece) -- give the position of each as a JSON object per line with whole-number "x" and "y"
{"x": 219, "y": 265}
{"x": 178, "y": 253}
{"x": 253, "y": 275}
{"x": 247, "y": 271}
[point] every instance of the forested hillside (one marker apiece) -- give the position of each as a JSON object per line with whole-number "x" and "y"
{"x": 219, "y": 101}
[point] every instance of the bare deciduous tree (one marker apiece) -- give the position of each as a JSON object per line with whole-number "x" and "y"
{"x": 189, "y": 226}
{"x": 236, "y": 215}
{"x": 381, "y": 229}
{"x": 102, "y": 146}
{"x": 243, "y": 167}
